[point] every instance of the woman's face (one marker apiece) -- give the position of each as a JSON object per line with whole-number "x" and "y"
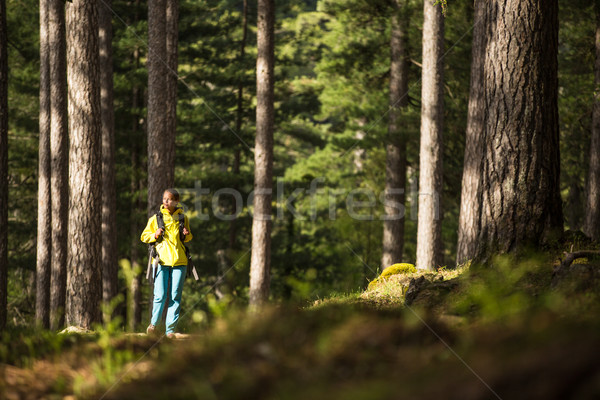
{"x": 170, "y": 202}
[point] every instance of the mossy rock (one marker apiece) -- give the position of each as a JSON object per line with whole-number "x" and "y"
{"x": 395, "y": 269}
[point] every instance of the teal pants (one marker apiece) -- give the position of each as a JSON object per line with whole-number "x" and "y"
{"x": 166, "y": 275}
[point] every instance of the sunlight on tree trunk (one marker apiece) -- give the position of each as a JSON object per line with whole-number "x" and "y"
{"x": 84, "y": 281}
{"x": 429, "y": 231}
{"x": 521, "y": 199}
{"x": 470, "y": 199}
{"x": 59, "y": 148}
{"x": 44, "y": 222}
{"x": 260, "y": 263}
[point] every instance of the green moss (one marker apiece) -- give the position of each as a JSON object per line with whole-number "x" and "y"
{"x": 395, "y": 269}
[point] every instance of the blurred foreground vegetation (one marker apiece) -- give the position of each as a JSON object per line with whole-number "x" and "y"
{"x": 500, "y": 330}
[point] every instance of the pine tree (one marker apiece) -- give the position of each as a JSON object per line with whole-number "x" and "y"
{"x": 470, "y": 200}
{"x": 84, "y": 282}
{"x": 59, "y": 161}
{"x": 395, "y": 167}
{"x": 44, "y": 220}
{"x": 109, "y": 193}
{"x": 429, "y": 233}
{"x": 521, "y": 164}
{"x": 260, "y": 263}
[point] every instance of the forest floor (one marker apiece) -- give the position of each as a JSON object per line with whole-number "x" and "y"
{"x": 502, "y": 331}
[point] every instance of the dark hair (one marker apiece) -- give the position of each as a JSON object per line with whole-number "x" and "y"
{"x": 174, "y": 193}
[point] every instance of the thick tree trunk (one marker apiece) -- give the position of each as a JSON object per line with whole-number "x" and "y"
{"x": 110, "y": 268}
{"x": 591, "y": 226}
{"x": 521, "y": 164}
{"x": 429, "y": 229}
{"x": 160, "y": 167}
{"x": 84, "y": 282}
{"x": 470, "y": 199}
{"x": 44, "y": 229}
{"x": 260, "y": 263}
{"x": 3, "y": 164}
{"x": 59, "y": 147}
{"x": 395, "y": 166}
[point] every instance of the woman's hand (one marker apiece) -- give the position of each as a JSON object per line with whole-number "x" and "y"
{"x": 158, "y": 233}
{"x": 185, "y": 231}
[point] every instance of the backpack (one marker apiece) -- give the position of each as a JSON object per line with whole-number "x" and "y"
{"x": 151, "y": 271}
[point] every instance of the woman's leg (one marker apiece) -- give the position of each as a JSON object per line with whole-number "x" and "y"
{"x": 175, "y": 298}
{"x": 161, "y": 283}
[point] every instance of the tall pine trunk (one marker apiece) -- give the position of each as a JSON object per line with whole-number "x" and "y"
{"x": 84, "y": 282}
{"x": 395, "y": 166}
{"x": 429, "y": 229}
{"x": 59, "y": 148}
{"x": 521, "y": 164}
{"x": 3, "y": 164}
{"x": 44, "y": 212}
{"x": 160, "y": 168}
{"x": 591, "y": 225}
{"x": 260, "y": 262}
{"x": 110, "y": 268}
{"x": 135, "y": 311}
{"x": 470, "y": 199}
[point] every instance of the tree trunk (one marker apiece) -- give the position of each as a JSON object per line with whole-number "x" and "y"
{"x": 470, "y": 199}
{"x": 521, "y": 164}
{"x": 395, "y": 166}
{"x": 429, "y": 228}
{"x": 591, "y": 225}
{"x": 260, "y": 263}
{"x": 44, "y": 230}
{"x": 84, "y": 282}
{"x": 160, "y": 168}
{"x": 110, "y": 268}
{"x": 135, "y": 316}
{"x": 3, "y": 164}
{"x": 59, "y": 147}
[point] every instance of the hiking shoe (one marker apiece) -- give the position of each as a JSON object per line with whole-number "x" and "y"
{"x": 150, "y": 330}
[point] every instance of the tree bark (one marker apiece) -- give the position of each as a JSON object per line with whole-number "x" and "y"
{"x": 591, "y": 226}
{"x": 521, "y": 203}
{"x": 429, "y": 227}
{"x": 395, "y": 166}
{"x": 84, "y": 282}
{"x": 135, "y": 315}
{"x": 3, "y": 165}
{"x": 160, "y": 168}
{"x": 470, "y": 199}
{"x": 260, "y": 263}
{"x": 59, "y": 147}
{"x": 44, "y": 212}
{"x": 110, "y": 268}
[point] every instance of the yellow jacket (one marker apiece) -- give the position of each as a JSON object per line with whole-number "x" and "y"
{"x": 170, "y": 249}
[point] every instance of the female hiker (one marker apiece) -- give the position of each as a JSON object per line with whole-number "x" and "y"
{"x": 168, "y": 233}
